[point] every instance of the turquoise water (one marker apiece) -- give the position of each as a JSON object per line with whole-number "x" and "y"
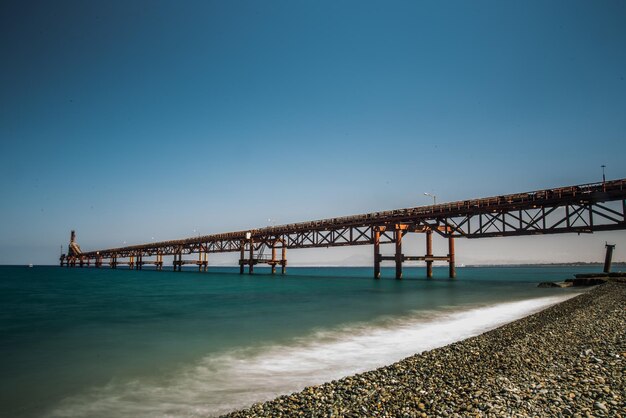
{"x": 90, "y": 342}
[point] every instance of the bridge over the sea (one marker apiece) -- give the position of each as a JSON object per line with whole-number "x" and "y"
{"x": 583, "y": 208}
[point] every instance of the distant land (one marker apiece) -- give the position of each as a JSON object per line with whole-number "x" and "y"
{"x": 576, "y": 263}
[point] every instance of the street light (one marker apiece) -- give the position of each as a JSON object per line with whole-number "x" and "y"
{"x": 603, "y": 177}
{"x": 433, "y": 196}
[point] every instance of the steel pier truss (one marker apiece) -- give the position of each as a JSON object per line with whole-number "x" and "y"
{"x": 580, "y": 209}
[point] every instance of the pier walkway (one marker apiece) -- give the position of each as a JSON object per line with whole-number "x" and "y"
{"x": 584, "y": 208}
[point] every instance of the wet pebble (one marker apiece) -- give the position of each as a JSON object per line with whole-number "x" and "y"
{"x": 568, "y": 360}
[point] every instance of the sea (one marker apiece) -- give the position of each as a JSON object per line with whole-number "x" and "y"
{"x": 86, "y": 342}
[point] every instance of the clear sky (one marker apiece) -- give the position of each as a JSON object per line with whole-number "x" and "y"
{"x": 132, "y": 121}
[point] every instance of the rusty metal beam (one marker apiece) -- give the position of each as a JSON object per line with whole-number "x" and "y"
{"x": 429, "y": 253}
{"x": 377, "y": 253}
{"x": 399, "y": 256}
{"x": 451, "y": 261}
{"x": 578, "y": 209}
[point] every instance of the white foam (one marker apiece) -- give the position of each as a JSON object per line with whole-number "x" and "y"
{"x": 221, "y": 383}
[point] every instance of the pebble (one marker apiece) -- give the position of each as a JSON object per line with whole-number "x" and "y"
{"x": 567, "y": 360}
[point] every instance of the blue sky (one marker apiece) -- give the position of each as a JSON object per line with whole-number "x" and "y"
{"x": 133, "y": 120}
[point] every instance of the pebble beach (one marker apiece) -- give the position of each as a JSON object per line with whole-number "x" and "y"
{"x": 567, "y": 360}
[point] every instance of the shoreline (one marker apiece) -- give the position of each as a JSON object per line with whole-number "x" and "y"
{"x": 567, "y": 359}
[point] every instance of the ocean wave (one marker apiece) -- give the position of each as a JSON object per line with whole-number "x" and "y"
{"x": 223, "y": 382}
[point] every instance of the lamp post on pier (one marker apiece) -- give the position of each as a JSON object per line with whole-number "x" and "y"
{"x": 433, "y": 196}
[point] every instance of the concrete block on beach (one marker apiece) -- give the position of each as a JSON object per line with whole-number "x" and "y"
{"x": 555, "y": 284}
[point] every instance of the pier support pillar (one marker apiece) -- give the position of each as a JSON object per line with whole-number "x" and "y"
{"x": 376, "y": 253}
{"x": 200, "y": 260}
{"x": 451, "y": 257}
{"x": 242, "y": 255}
{"x": 251, "y": 266}
{"x": 273, "y": 259}
{"x": 608, "y": 258}
{"x": 283, "y": 259}
{"x": 399, "y": 255}
{"x": 429, "y": 253}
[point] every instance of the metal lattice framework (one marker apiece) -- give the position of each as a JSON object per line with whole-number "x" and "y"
{"x": 581, "y": 209}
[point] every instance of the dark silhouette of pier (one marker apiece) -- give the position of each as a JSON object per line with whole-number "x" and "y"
{"x": 578, "y": 209}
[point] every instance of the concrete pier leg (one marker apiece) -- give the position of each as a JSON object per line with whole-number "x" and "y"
{"x": 200, "y": 261}
{"x": 429, "y": 253}
{"x": 399, "y": 254}
{"x": 608, "y": 258}
{"x": 451, "y": 257}
{"x": 376, "y": 253}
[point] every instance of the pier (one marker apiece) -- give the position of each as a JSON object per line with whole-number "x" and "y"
{"x": 579, "y": 209}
